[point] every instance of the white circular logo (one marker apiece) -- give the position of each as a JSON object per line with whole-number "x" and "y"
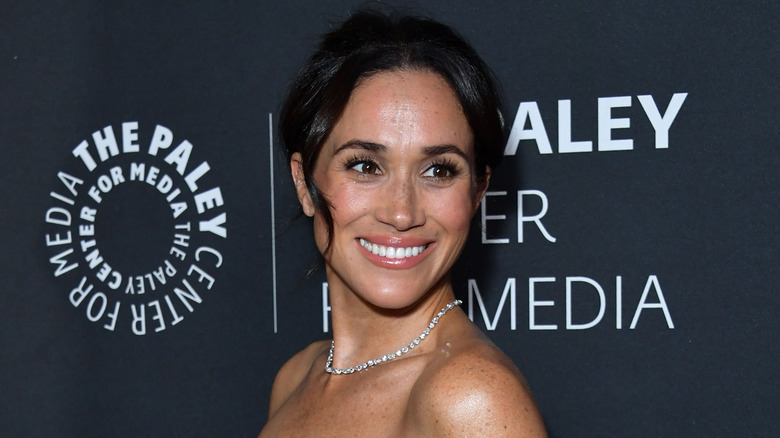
{"x": 135, "y": 230}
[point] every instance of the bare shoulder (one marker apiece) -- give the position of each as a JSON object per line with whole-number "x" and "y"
{"x": 292, "y": 373}
{"x": 474, "y": 390}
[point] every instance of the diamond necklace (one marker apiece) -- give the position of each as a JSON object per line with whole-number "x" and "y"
{"x": 388, "y": 357}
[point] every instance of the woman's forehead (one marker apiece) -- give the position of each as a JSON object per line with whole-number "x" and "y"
{"x": 403, "y": 108}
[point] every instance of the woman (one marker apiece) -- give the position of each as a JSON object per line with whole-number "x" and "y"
{"x": 392, "y": 130}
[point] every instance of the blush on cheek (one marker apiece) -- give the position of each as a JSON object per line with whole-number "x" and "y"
{"x": 454, "y": 208}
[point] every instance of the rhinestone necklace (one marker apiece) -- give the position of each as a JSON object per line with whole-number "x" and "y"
{"x": 388, "y": 357}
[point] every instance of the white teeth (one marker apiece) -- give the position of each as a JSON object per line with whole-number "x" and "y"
{"x": 392, "y": 252}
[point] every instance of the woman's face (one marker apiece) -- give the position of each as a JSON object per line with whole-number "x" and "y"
{"x": 398, "y": 172}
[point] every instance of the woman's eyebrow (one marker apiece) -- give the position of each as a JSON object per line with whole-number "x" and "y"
{"x": 428, "y": 151}
{"x": 360, "y": 144}
{"x": 445, "y": 149}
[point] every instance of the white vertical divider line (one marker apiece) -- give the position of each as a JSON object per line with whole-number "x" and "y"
{"x": 273, "y": 210}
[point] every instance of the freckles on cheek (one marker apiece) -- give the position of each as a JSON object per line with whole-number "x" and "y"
{"x": 453, "y": 210}
{"x": 358, "y": 196}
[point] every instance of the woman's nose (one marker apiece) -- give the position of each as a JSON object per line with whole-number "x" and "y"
{"x": 399, "y": 206}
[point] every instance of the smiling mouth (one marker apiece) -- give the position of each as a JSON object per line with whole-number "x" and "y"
{"x": 392, "y": 252}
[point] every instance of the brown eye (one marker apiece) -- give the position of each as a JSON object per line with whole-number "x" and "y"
{"x": 366, "y": 167}
{"x": 438, "y": 172}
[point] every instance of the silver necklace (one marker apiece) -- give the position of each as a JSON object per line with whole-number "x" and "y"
{"x": 388, "y": 357}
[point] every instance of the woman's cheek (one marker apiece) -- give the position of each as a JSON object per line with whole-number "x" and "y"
{"x": 454, "y": 209}
{"x": 354, "y": 199}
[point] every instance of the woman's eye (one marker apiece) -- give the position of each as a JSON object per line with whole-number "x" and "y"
{"x": 366, "y": 167}
{"x": 438, "y": 171}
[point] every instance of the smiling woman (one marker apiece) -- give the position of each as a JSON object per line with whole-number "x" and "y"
{"x": 389, "y": 182}
{"x": 392, "y": 130}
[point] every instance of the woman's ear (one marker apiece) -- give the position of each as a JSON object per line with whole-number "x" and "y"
{"x": 481, "y": 188}
{"x": 296, "y": 168}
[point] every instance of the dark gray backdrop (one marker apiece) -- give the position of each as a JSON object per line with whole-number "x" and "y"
{"x": 696, "y": 221}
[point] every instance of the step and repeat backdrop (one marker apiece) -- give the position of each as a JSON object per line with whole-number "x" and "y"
{"x": 153, "y": 265}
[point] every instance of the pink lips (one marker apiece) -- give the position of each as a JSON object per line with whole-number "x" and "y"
{"x": 393, "y": 252}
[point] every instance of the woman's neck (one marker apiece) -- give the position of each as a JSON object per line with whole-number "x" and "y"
{"x": 363, "y": 331}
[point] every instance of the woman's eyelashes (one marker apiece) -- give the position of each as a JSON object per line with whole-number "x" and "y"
{"x": 362, "y": 165}
{"x": 442, "y": 169}
{"x": 439, "y": 169}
